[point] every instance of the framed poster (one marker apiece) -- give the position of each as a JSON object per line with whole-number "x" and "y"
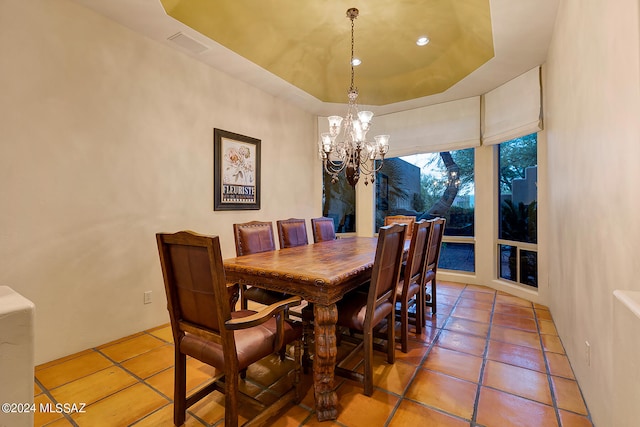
{"x": 236, "y": 171}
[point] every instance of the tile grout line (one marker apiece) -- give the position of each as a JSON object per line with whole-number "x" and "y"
{"x": 148, "y": 332}
{"x": 94, "y": 350}
{"x": 170, "y": 400}
{"x": 474, "y": 416}
{"x": 424, "y": 358}
{"x": 132, "y": 374}
{"x": 588, "y": 416}
{"x": 54, "y": 400}
{"x": 539, "y": 325}
{"x": 418, "y": 366}
{"x": 550, "y": 375}
{"x": 139, "y": 381}
{"x": 142, "y": 381}
{"x": 486, "y": 349}
{"x": 98, "y": 351}
{"x": 554, "y": 403}
{"x": 554, "y": 400}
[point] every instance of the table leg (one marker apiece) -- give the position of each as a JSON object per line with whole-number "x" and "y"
{"x": 325, "y": 318}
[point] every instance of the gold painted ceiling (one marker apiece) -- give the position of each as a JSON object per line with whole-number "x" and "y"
{"x": 307, "y": 42}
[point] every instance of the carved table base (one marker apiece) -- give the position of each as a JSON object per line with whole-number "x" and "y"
{"x": 347, "y": 263}
{"x": 325, "y": 318}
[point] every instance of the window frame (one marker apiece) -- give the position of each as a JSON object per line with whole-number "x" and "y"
{"x": 520, "y": 246}
{"x": 471, "y": 240}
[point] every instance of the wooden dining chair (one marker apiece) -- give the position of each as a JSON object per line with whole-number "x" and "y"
{"x": 433, "y": 255}
{"x": 204, "y": 326}
{"x": 292, "y": 232}
{"x": 252, "y": 238}
{"x": 401, "y": 219}
{"x": 363, "y": 311}
{"x": 323, "y": 229}
{"x": 411, "y": 284}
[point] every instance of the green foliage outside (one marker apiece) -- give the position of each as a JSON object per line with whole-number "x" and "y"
{"x": 518, "y": 222}
{"x": 515, "y": 157}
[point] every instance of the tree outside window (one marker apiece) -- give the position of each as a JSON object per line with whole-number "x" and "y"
{"x": 339, "y": 203}
{"x": 431, "y": 185}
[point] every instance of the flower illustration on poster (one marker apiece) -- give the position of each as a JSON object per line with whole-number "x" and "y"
{"x": 238, "y": 168}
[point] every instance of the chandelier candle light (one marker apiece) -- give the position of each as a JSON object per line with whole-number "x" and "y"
{"x": 351, "y": 151}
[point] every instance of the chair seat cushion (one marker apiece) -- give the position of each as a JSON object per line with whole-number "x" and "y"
{"x": 252, "y": 344}
{"x": 353, "y": 307}
{"x": 264, "y": 296}
{"x": 414, "y": 288}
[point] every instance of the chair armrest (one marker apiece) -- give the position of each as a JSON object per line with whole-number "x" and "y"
{"x": 263, "y": 315}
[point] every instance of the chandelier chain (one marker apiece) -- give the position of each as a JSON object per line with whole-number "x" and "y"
{"x": 352, "y": 54}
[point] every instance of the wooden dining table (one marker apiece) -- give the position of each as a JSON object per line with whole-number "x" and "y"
{"x": 321, "y": 273}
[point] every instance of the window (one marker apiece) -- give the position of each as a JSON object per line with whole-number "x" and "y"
{"x": 431, "y": 185}
{"x": 339, "y": 203}
{"x": 518, "y": 210}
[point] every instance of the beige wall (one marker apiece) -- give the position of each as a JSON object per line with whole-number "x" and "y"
{"x": 592, "y": 111}
{"x": 106, "y": 138}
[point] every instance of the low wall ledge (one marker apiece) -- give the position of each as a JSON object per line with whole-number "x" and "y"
{"x": 631, "y": 299}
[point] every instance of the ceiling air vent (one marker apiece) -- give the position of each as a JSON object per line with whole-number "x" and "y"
{"x": 188, "y": 43}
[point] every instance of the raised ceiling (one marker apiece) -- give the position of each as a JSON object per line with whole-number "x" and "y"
{"x": 299, "y": 50}
{"x": 308, "y": 43}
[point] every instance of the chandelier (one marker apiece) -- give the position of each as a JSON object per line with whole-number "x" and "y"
{"x": 349, "y": 150}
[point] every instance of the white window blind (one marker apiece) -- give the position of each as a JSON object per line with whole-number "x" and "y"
{"x": 513, "y": 109}
{"x": 441, "y": 127}
{"x": 447, "y": 126}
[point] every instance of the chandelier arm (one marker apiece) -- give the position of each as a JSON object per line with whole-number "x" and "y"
{"x": 334, "y": 167}
{"x": 371, "y": 170}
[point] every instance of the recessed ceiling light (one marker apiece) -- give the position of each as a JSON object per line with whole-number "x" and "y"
{"x": 422, "y": 41}
{"x": 355, "y": 62}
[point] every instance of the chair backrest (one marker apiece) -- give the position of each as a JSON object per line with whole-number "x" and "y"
{"x": 323, "y": 229}
{"x": 292, "y": 232}
{"x": 417, "y": 256}
{"x": 386, "y": 271}
{"x": 253, "y": 237}
{"x": 433, "y": 253}
{"x": 195, "y": 284}
{"x": 402, "y": 219}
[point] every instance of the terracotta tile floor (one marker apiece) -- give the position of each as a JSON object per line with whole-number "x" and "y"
{"x": 486, "y": 359}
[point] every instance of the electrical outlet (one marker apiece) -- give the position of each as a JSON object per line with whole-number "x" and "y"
{"x": 587, "y": 353}
{"x": 147, "y": 297}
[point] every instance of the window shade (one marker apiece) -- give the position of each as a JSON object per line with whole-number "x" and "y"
{"x": 513, "y": 109}
{"x": 448, "y": 126}
{"x": 441, "y": 127}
